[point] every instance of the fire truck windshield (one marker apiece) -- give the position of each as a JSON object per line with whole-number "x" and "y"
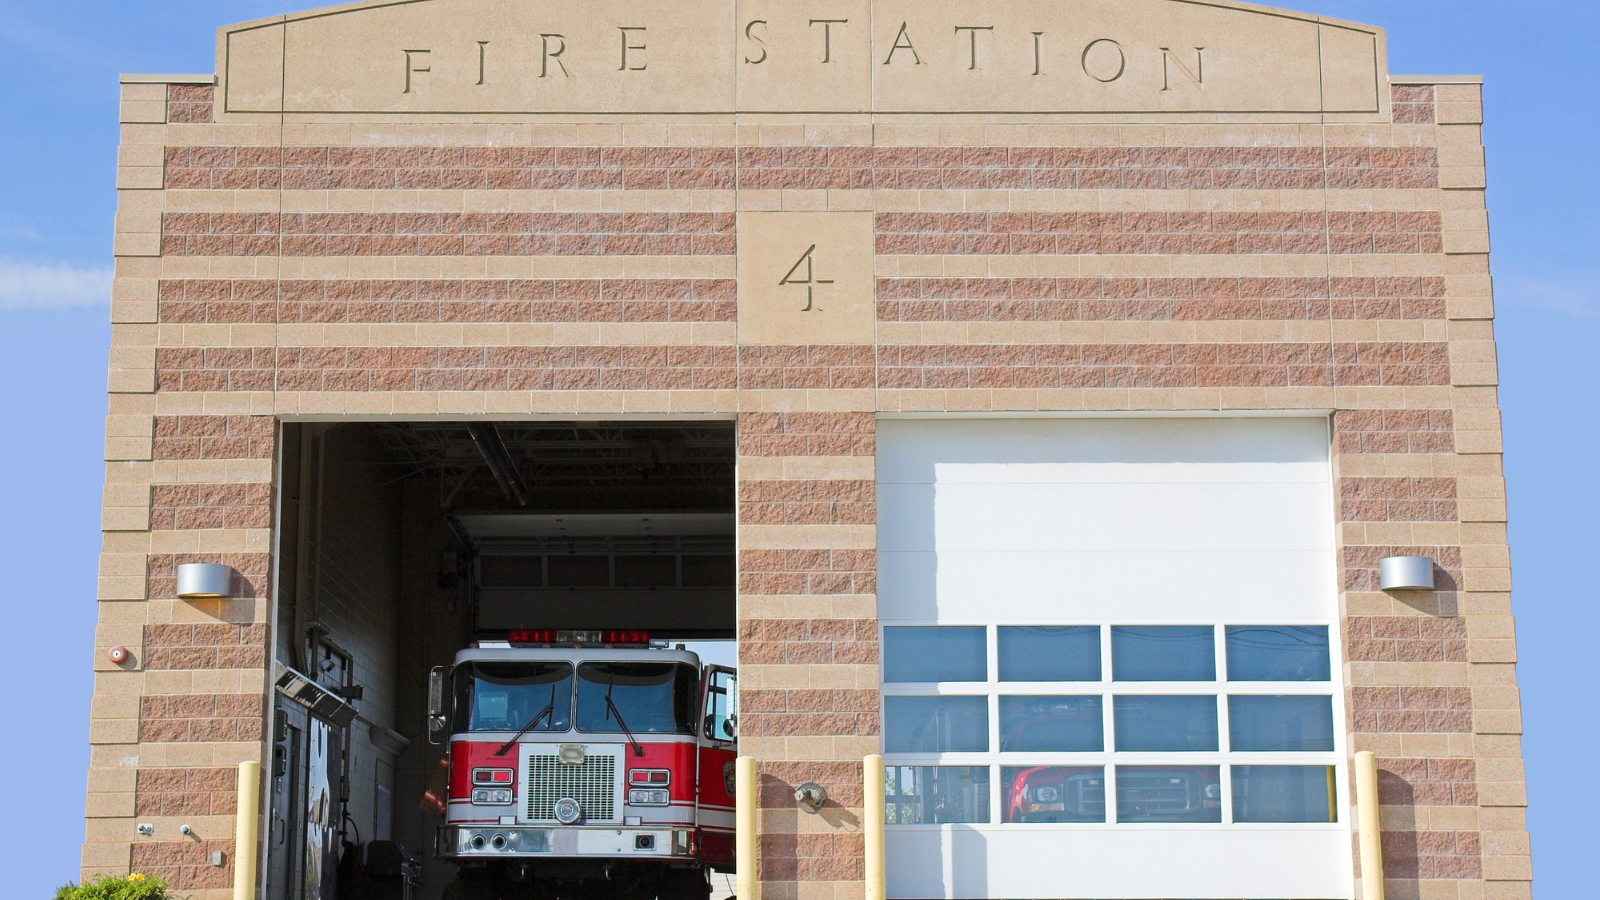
{"x": 652, "y": 697}
{"x": 506, "y": 696}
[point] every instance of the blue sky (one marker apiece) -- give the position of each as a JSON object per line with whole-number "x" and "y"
{"x": 58, "y": 100}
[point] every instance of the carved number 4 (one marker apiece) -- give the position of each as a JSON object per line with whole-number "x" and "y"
{"x": 809, "y": 281}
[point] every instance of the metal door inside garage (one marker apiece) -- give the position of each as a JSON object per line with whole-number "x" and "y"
{"x": 1178, "y": 567}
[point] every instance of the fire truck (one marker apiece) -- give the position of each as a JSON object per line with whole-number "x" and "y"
{"x": 584, "y": 764}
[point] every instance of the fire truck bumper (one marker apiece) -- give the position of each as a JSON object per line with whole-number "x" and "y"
{"x": 468, "y": 842}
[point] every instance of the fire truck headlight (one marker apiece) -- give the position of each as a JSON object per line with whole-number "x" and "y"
{"x": 640, "y": 797}
{"x": 1047, "y": 794}
{"x": 491, "y": 796}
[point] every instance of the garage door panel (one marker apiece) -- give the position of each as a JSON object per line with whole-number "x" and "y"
{"x": 1116, "y": 473}
{"x": 907, "y": 585}
{"x": 1201, "y": 523}
{"x": 1064, "y": 587}
{"x": 905, "y": 517}
{"x": 1131, "y": 516}
{"x": 1040, "y": 861}
{"x": 910, "y": 450}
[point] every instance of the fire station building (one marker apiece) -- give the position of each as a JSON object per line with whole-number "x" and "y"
{"x": 1090, "y": 407}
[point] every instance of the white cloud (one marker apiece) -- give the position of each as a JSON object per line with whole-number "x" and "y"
{"x": 29, "y": 285}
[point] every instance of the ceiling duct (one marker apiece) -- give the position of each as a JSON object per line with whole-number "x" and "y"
{"x": 487, "y": 438}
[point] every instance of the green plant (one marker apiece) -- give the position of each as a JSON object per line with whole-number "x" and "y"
{"x": 117, "y": 887}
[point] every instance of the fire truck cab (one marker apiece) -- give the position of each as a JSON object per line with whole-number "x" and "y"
{"x": 584, "y": 764}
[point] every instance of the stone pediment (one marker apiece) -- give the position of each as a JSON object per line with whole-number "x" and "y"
{"x": 518, "y": 57}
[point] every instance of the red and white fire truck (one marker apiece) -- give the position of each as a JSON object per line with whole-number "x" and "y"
{"x": 585, "y": 764}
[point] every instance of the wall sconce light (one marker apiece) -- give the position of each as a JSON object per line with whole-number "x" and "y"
{"x": 204, "y": 581}
{"x": 1405, "y": 573}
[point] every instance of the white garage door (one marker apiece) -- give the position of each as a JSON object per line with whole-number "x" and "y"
{"x": 1109, "y": 662}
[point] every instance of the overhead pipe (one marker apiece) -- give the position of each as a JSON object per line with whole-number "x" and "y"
{"x": 1367, "y": 822}
{"x": 504, "y": 469}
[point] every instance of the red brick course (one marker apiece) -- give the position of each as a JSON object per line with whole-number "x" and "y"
{"x": 1431, "y": 854}
{"x": 186, "y": 792}
{"x": 809, "y": 641}
{"x": 182, "y": 506}
{"x": 1394, "y": 431}
{"x": 215, "y": 646}
{"x": 808, "y": 572}
{"x": 1359, "y": 564}
{"x": 778, "y": 779}
{"x": 214, "y": 437}
{"x": 187, "y": 103}
{"x": 807, "y": 502}
{"x": 201, "y": 717}
{"x": 446, "y": 234}
{"x": 799, "y": 368}
{"x": 764, "y": 713}
{"x": 250, "y": 578}
{"x": 1405, "y": 639}
{"x": 807, "y": 434}
{"x": 1411, "y": 710}
{"x": 1157, "y": 299}
{"x": 446, "y": 368}
{"x": 811, "y": 857}
{"x": 1153, "y": 168}
{"x": 1397, "y": 500}
{"x": 1427, "y": 782}
{"x": 1232, "y": 233}
{"x": 1413, "y": 104}
{"x": 454, "y": 168}
{"x": 1161, "y": 365}
{"x": 774, "y": 168}
{"x": 185, "y": 865}
{"x": 505, "y": 300}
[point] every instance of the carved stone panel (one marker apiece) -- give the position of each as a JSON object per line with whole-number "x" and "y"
{"x": 805, "y": 278}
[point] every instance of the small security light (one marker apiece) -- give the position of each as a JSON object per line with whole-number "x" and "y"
{"x": 1405, "y": 573}
{"x": 204, "y": 581}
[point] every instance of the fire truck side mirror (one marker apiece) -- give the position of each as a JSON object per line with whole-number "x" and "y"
{"x": 436, "y": 717}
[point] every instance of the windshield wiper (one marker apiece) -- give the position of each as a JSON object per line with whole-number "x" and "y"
{"x": 548, "y": 710}
{"x": 611, "y": 710}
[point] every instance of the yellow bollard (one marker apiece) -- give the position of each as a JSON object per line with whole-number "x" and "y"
{"x": 872, "y": 826}
{"x": 746, "y": 800}
{"x": 1367, "y": 822}
{"x": 246, "y": 830}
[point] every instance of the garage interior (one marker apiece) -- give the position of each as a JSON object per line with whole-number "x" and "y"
{"x": 404, "y": 542}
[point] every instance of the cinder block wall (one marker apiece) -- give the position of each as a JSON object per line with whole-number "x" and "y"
{"x": 332, "y": 269}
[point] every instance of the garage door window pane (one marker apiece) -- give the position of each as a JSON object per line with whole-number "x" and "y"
{"x": 1277, "y": 653}
{"x": 929, "y": 654}
{"x": 1284, "y": 794}
{"x": 1278, "y": 723}
{"x": 1163, "y": 653}
{"x": 933, "y": 795}
{"x": 1165, "y": 724}
{"x": 1051, "y": 725}
{"x": 1050, "y": 653}
{"x": 1169, "y": 794}
{"x": 936, "y": 724}
{"x": 1054, "y": 793}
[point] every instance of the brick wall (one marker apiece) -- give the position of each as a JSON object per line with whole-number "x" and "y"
{"x": 1021, "y": 267}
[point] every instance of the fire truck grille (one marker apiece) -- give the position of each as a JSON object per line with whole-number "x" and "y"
{"x": 592, "y": 783}
{"x": 1156, "y": 793}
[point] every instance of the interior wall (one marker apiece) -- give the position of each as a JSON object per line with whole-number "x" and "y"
{"x": 356, "y": 583}
{"x": 436, "y": 621}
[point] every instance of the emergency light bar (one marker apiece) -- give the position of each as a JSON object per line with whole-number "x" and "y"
{"x": 524, "y": 637}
